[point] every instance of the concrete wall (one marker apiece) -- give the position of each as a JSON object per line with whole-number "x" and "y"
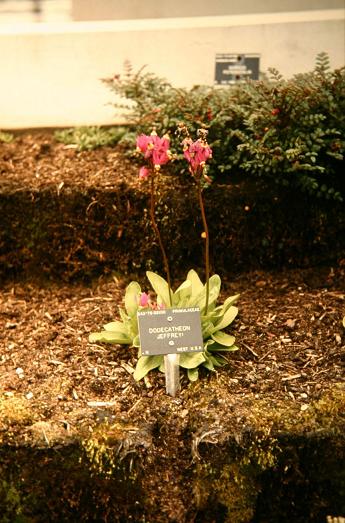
{"x": 50, "y": 74}
{"x": 116, "y": 10}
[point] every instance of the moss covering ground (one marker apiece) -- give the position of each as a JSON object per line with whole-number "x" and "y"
{"x": 256, "y": 462}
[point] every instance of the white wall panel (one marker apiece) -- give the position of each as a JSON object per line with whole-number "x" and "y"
{"x": 50, "y": 74}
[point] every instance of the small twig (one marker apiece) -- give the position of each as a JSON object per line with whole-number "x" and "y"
{"x": 45, "y": 437}
{"x": 250, "y": 350}
{"x": 294, "y": 377}
{"x": 135, "y": 405}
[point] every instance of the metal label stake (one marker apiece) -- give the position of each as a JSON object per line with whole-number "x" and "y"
{"x": 172, "y": 374}
{"x": 170, "y": 332}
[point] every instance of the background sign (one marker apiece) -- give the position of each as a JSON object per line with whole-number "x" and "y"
{"x": 234, "y": 68}
{"x": 170, "y": 331}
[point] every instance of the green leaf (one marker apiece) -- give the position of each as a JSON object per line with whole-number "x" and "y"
{"x": 160, "y": 286}
{"x": 133, "y": 292}
{"x": 213, "y": 316}
{"x": 207, "y": 328}
{"x": 208, "y": 364}
{"x": 136, "y": 341}
{"x": 223, "y": 339}
{"x": 208, "y": 343}
{"x": 145, "y": 364}
{"x": 110, "y": 337}
{"x": 222, "y": 348}
{"x": 228, "y": 318}
{"x": 197, "y": 285}
{"x": 214, "y": 285}
{"x": 116, "y": 326}
{"x": 193, "y": 374}
{"x": 123, "y": 315}
{"x": 182, "y": 294}
{"x": 199, "y": 300}
{"x": 217, "y": 360}
{"x": 214, "y": 289}
{"x": 230, "y": 301}
{"x": 190, "y": 360}
{"x": 133, "y": 328}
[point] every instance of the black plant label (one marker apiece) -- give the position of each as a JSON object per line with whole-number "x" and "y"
{"x": 170, "y": 331}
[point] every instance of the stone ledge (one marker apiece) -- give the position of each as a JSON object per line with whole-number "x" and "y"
{"x": 246, "y": 462}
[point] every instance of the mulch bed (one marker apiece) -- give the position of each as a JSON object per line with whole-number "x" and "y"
{"x": 56, "y": 385}
{"x": 35, "y": 160}
{"x": 290, "y": 336}
{"x": 289, "y": 329}
{"x": 71, "y": 215}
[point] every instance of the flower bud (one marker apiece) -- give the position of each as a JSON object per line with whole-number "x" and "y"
{"x": 144, "y": 299}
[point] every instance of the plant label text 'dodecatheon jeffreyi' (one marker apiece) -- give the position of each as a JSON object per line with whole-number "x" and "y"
{"x": 170, "y": 331}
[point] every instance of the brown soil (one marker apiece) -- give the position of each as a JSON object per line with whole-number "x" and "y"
{"x": 56, "y": 385}
{"x": 289, "y": 329}
{"x": 290, "y": 336}
{"x": 36, "y": 160}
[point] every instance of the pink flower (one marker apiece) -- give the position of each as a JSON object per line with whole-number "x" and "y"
{"x": 144, "y": 173}
{"x": 144, "y": 299}
{"x": 161, "y": 153}
{"x": 197, "y": 153}
{"x": 143, "y": 142}
{"x": 155, "y": 148}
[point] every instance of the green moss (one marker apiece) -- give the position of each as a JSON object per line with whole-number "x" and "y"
{"x": 6, "y": 137}
{"x": 235, "y": 483}
{"x": 55, "y": 483}
{"x": 14, "y": 502}
{"x": 228, "y": 487}
{"x": 106, "y": 450}
{"x": 14, "y": 411}
{"x": 325, "y": 415}
{"x": 275, "y": 445}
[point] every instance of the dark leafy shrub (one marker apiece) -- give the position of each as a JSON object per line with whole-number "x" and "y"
{"x": 287, "y": 131}
{"x": 294, "y": 130}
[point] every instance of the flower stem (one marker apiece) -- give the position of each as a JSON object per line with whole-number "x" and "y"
{"x": 207, "y": 242}
{"x": 158, "y": 234}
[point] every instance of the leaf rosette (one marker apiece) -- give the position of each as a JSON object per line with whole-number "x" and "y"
{"x": 215, "y": 320}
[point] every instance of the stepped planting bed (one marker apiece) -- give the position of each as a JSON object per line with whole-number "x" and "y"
{"x": 260, "y": 440}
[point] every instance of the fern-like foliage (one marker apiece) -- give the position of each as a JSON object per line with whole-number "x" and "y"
{"x": 289, "y": 132}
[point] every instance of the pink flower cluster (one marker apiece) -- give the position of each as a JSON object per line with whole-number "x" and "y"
{"x": 145, "y": 302}
{"x": 155, "y": 149}
{"x": 196, "y": 153}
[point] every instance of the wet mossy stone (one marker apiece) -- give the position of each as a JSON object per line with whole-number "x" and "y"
{"x": 256, "y": 461}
